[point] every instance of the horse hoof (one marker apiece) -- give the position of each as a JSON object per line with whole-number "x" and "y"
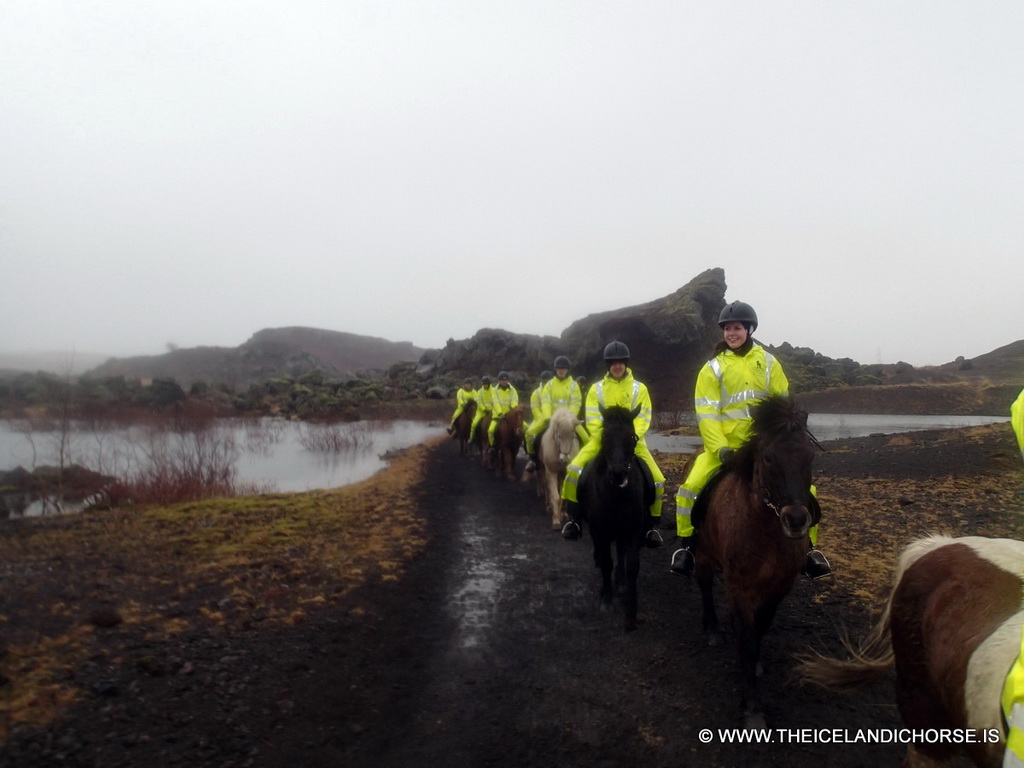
{"x": 714, "y": 639}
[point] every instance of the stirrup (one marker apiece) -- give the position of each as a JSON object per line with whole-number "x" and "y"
{"x": 682, "y": 562}
{"x": 653, "y": 539}
{"x": 571, "y": 531}
{"x": 816, "y": 565}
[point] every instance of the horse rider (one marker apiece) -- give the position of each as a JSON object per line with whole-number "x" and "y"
{"x": 504, "y": 399}
{"x": 739, "y": 375}
{"x": 559, "y": 391}
{"x": 581, "y": 382}
{"x": 617, "y": 388}
{"x": 462, "y": 396}
{"x": 535, "y": 406}
{"x": 484, "y": 395}
{"x": 1017, "y": 420}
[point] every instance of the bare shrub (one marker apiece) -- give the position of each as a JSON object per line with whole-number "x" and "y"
{"x": 338, "y": 438}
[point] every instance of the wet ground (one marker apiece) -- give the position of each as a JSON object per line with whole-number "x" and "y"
{"x": 491, "y": 650}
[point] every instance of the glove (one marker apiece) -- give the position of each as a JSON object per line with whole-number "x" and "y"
{"x": 724, "y": 454}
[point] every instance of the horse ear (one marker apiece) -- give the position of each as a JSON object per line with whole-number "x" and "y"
{"x": 602, "y": 410}
{"x": 636, "y": 411}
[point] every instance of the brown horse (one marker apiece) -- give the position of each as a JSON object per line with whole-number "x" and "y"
{"x": 479, "y": 440}
{"x": 462, "y": 426}
{"x": 508, "y": 439}
{"x": 952, "y": 629}
{"x": 757, "y": 512}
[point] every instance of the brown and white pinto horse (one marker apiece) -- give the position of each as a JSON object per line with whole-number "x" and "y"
{"x": 756, "y": 516}
{"x": 558, "y": 444}
{"x": 508, "y": 439}
{"x": 952, "y": 629}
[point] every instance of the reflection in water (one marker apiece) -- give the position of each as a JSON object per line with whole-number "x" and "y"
{"x": 269, "y": 454}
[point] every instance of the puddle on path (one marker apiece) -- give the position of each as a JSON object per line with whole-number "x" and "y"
{"x": 474, "y": 597}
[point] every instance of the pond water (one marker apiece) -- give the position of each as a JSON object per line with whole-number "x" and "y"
{"x": 834, "y": 426}
{"x": 274, "y": 455}
{"x": 270, "y": 455}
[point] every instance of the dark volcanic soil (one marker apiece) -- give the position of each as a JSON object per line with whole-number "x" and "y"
{"x": 491, "y": 650}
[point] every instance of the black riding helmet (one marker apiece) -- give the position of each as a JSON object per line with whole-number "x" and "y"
{"x": 739, "y": 312}
{"x": 546, "y": 376}
{"x": 616, "y": 351}
{"x": 562, "y": 362}
{"x": 485, "y": 379}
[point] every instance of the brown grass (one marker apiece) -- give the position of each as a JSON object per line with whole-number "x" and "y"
{"x": 164, "y": 570}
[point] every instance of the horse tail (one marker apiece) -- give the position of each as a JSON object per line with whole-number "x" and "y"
{"x": 873, "y": 657}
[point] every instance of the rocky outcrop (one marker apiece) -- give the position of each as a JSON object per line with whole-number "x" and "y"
{"x": 668, "y": 338}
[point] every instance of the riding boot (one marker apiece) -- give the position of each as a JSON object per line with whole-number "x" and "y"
{"x": 816, "y": 565}
{"x": 682, "y": 559}
{"x": 572, "y": 530}
{"x": 451, "y": 430}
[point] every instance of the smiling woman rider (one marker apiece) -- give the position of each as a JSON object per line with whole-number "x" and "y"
{"x": 739, "y": 376}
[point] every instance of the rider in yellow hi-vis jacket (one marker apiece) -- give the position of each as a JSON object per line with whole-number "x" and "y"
{"x": 536, "y": 397}
{"x": 463, "y": 396}
{"x": 739, "y": 376}
{"x": 484, "y": 396}
{"x": 503, "y": 400}
{"x": 617, "y": 388}
{"x": 559, "y": 391}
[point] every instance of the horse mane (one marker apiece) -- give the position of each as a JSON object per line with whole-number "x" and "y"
{"x": 778, "y": 414}
{"x": 775, "y": 415}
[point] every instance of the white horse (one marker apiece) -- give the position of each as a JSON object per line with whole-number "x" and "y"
{"x": 558, "y": 445}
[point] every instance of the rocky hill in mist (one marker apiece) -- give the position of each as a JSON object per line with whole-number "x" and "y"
{"x": 268, "y": 354}
{"x": 669, "y": 338}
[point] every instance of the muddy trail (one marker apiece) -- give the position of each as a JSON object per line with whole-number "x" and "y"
{"x": 491, "y": 648}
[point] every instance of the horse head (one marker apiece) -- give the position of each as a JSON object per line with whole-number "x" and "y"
{"x": 618, "y": 442}
{"x": 781, "y": 453}
{"x": 563, "y": 435}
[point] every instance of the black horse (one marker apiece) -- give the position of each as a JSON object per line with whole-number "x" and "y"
{"x": 613, "y": 501}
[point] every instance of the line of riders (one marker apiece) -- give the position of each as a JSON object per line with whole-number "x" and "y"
{"x": 739, "y": 374}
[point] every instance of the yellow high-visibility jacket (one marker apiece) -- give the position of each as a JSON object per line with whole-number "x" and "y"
{"x": 727, "y": 386}
{"x": 626, "y": 392}
{"x": 503, "y": 401}
{"x": 559, "y": 392}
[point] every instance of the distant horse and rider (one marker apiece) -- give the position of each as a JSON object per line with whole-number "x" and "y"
{"x": 753, "y": 519}
{"x": 952, "y": 629}
{"x": 508, "y": 439}
{"x": 463, "y": 423}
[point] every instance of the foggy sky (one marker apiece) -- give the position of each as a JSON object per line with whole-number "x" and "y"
{"x": 189, "y": 173}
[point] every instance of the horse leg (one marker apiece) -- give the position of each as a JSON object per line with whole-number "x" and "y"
{"x": 705, "y": 577}
{"x": 554, "y": 499}
{"x": 629, "y": 601}
{"x": 603, "y": 560}
{"x": 748, "y": 648}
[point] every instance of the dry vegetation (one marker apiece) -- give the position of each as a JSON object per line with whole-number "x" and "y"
{"x": 226, "y": 563}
